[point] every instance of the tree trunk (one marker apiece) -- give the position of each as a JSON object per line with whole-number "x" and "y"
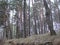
{"x": 48, "y": 18}
{"x": 29, "y": 18}
{"x": 24, "y": 18}
{"x": 18, "y": 25}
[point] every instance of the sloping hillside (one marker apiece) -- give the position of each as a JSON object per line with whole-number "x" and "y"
{"x": 35, "y": 40}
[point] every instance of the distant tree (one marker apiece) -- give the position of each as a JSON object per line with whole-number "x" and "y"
{"x": 3, "y": 16}
{"x": 34, "y": 13}
{"x": 18, "y": 18}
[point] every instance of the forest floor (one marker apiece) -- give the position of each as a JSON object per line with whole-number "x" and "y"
{"x": 42, "y": 39}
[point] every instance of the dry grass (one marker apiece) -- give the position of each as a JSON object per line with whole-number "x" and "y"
{"x": 56, "y": 41}
{"x": 35, "y": 39}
